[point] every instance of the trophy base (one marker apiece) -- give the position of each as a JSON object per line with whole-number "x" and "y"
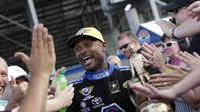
{"x": 150, "y": 106}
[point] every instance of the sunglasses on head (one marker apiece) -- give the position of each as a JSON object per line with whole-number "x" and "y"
{"x": 167, "y": 45}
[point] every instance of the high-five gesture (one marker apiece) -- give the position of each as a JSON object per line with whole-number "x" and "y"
{"x": 40, "y": 64}
{"x": 42, "y": 58}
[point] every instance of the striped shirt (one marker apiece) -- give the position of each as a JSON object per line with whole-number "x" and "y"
{"x": 182, "y": 106}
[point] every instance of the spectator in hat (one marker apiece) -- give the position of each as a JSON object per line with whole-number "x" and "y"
{"x": 18, "y": 74}
{"x": 40, "y": 64}
{"x": 181, "y": 14}
{"x": 7, "y": 89}
{"x": 18, "y": 84}
{"x": 188, "y": 28}
{"x": 57, "y": 99}
{"x": 101, "y": 87}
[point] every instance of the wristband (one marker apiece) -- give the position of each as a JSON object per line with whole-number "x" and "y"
{"x": 173, "y": 33}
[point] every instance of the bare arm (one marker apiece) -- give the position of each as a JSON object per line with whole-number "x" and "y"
{"x": 22, "y": 56}
{"x": 188, "y": 28}
{"x": 193, "y": 63}
{"x": 41, "y": 63}
{"x": 190, "y": 81}
{"x": 62, "y": 99}
{"x": 192, "y": 98}
{"x": 168, "y": 95}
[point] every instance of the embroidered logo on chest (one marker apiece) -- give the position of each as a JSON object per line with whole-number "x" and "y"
{"x": 86, "y": 91}
{"x": 114, "y": 87}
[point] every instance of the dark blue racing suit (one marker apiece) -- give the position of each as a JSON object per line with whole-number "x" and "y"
{"x": 103, "y": 91}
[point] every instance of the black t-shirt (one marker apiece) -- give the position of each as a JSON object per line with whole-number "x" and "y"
{"x": 195, "y": 44}
{"x": 105, "y": 95}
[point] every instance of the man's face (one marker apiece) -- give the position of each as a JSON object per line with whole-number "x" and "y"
{"x": 181, "y": 15}
{"x": 90, "y": 53}
{"x": 3, "y": 75}
{"x": 123, "y": 46}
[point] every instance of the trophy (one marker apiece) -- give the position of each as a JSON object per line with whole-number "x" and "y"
{"x": 140, "y": 76}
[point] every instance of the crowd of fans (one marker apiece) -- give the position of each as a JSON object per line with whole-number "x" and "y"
{"x": 174, "y": 74}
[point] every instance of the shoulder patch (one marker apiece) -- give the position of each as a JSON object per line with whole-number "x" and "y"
{"x": 123, "y": 68}
{"x": 76, "y": 81}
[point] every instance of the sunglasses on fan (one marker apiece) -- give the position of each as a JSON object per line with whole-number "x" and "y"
{"x": 125, "y": 46}
{"x": 167, "y": 45}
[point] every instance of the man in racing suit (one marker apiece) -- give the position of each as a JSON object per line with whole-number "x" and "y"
{"x": 103, "y": 86}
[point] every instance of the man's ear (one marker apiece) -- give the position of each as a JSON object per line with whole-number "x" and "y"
{"x": 104, "y": 45}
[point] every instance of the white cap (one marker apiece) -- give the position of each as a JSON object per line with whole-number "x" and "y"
{"x": 16, "y": 72}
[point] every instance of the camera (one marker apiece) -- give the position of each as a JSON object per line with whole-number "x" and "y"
{"x": 183, "y": 44}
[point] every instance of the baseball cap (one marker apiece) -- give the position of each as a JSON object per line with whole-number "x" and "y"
{"x": 87, "y": 32}
{"x": 16, "y": 72}
{"x": 177, "y": 4}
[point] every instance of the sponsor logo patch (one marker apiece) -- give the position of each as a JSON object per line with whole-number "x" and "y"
{"x": 86, "y": 91}
{"x": 84, "y": 107}
{"x": 114, "y": 87}
{"x": 83, "y": 104}
{"x": 83, "y": 31}
{"x": 97, "y": 102}
{"x": 125, "y": 84}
